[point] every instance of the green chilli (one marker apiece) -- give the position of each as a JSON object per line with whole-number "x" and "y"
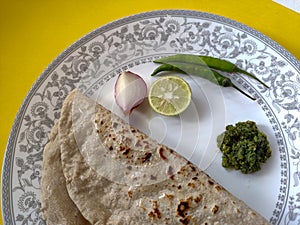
{"x": 166, "y": 67}
{"x": 201, "y": 71}
{"x": 208, "y": 61}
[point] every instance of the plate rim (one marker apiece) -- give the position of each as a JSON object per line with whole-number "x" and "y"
{"x": 7, "y": 165}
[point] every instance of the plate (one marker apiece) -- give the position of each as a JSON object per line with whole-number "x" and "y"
{"x": 132, "y": 43}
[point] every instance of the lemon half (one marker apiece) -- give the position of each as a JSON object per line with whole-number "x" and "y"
{"x": 170, "y": 95}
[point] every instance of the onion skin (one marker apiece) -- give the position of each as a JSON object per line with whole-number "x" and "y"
{"x": 130, "y": 91}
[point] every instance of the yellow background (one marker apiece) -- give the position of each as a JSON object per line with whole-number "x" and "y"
{"x": 34, "y": 32}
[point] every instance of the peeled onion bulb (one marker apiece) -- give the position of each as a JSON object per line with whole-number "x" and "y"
{"x": 130, "y": 91}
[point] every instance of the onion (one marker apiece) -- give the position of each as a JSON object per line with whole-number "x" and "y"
{"x": 130, "y": 91}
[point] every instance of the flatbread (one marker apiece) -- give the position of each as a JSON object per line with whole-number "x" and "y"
{"x": 172, "y": 195}
{"x": 57, "y": 207}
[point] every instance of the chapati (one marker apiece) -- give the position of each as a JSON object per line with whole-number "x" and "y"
{"x": 57, "y": 207}
{"x": 172, "y": 191}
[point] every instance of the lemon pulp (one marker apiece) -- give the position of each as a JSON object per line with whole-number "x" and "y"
{"x": 170, "y": 95}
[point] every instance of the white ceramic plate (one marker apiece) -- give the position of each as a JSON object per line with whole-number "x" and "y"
{"x": 91, "y": 65}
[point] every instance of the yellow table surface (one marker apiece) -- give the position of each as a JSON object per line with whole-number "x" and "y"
{"x": 33, "y": 33}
